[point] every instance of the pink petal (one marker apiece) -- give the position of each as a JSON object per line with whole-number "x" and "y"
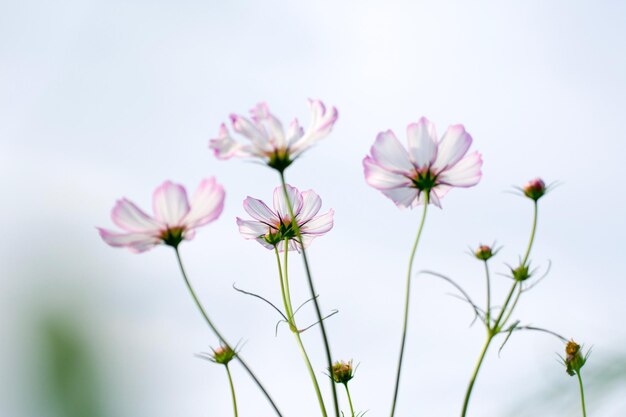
{"x": 422, "y": 139}
{"x": 381, "y": 178}
{"x": 318, "y": 225}
{"x": 466, "y": 173}
{"x": 454, "y": 144}
{"x": 136, "y": 242}
{"x": 311, "y": 204}
{"x": 170, "y": 203}
{"x": 261, "y": 114}
{"x": 250, "y": 131}
{"x": 322, "y": 122}
{"x": 207, "y": 203}
{"x": 252, "y": 229}
{"x": 131, "y": 218}
{"x": 280, "y": 203}
{"x": 389, "y": 153}
{"x": 225, "y": 147}
{"x": 259, "y": 210}
{"x": 403, "y": 197}
{"x": 294, "y": 133}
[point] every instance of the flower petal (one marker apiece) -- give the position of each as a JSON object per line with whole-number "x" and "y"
{"x": 381, "y": 178}
{"x": 422, "y": 140}
{"x": 466, "y": 173}
{"x": 454, "y": 144}
{"x": 225, "y": 147}
{"x": 251, "y": 229}
{"x": 403, "y": 197}
{"x": 261, "y": 114}
{"x": 389, "y": 153}
{"x": 248, "y": 129}
{"x": 318, "y": 225}
{"x": 207, "y": 203}
{"x": 260, "y": 211}
{"x": 280, "y": 203}
{"x": 322, "y": 122}
{"x": 311, "y": 204}
{"x": 294, "y": 133}
{"x": 136, "y": 242}
{"x": 170, "y": 203}
{"x": 131, "y": 218}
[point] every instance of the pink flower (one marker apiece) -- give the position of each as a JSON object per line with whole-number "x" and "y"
{"x": 429, "y": 167}
{"x": 268, "y": 140}
{"x": 174, "y": 220}
{"x": 272, "y": 227}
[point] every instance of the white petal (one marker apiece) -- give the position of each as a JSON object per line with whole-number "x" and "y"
{"x": 454, "y": 144}
{"x": 318, "y": 225}
{"x": 260, "y": 211}
{"x": 381, "y": 178}
{"x": 311, "y": 204}
{"x": 225, "y": 147}
{"x": 422, "y": 139}
{"x": 465, "y": 173}
{"x": 276, "y": 135}
{"x": 207, "y": 203}
{"x": 131, "y": 218}
{"x": 388, "y": 152}
{"x": 170, "y": 203}
{"x": 294, "y": 133}
{"x": 136, "y": 242}
{"x": 403, "y": 197}
{"x": 248, "y": 129}
{"x": 251, "y": 229}
{"x": 322, "y": 122}
{"x": 280, "y": 203}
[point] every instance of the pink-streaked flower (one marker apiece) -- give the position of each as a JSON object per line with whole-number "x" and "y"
{"x": 268, "y": 140}
{"x": 272, "y": 227}
{"x": 175, "y": 217}
{"x": 429, "y": 167}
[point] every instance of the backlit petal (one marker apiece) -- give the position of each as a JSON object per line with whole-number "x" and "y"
{"x": 260, "y": 211}
{"x": 402, "y": 197}
{"x": 422, "y": 140}
{"x": 131, "y": 218}
{"x": 465, "y": 173}
{"x": 381, "y": 178}
{"x": 250, "y": 229}
{"x": 319, "y": 225}
{"x": 207, "y": 203}
{"x": 170, "y": 203}
{"x": 311, "y": 204}
{"x": 388, "y": 152}
{"x": 136, "y": 242}
{"x": 454, "y": 144}
{"x": 280, "y": 203}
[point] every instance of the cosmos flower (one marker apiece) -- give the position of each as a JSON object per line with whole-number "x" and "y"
{"x": 268, "y": 140}
{"x": 272, "y": 227}
{"x": 174, "y": 220}
{"x": 429, "y": 167}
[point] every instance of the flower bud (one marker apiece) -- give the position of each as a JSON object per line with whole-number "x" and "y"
{"x": 484, "y": 252}
{"x": 341, "y": 372}
{"x": 223, "y": 355}
{"x": 521, "y": 273}
{"x": 574, "y": 360}
{"x": 534, "y": 189}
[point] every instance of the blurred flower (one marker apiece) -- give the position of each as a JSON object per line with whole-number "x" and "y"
{"x": 174, "y": 220}
{"x": 521, "y": 273}
{"x": 342, "y": 372}
{"x": 429, "y": 167}
{"x": 268, "y": 140}
{"x": 272, "y": 227}
{"x": 221, "y": 355}
{"x": 535, "y": 189}
{"x": 574, "y": 359}
{"x": 484, "y": 252}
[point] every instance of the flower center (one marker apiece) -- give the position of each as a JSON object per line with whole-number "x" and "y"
{"x": 424, "y": 180}
{"x": 279, "y": 159}
{"x": 173, "y": 236}
{"x": 283, "y": 231}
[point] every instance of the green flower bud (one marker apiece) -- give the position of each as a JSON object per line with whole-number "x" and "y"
{"x": 341, "y": 372}
{"x": 484, "y": 252}
{"x": 222, "y": 355}
{"x": 521, "y": 273}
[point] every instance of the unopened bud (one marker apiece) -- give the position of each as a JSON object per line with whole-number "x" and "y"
{"x": 521, "y": 273}
{"x": 341, "y": 372}
{"x": 484, "y": 252}
{"x": 223, "y": 355}
{"x": 574, "y": 360}
{"x": 535, "y": 189}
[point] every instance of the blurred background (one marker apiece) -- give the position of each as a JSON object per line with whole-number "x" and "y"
{"x": 104, "y": 99}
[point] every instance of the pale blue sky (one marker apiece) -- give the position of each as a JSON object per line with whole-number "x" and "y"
{"x": 100, "y": 100}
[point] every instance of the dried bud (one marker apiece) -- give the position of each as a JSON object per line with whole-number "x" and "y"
{"x": 342, "y": 372}
{"x": 222, "y": 355}
{"x": 574, "y": 360}
{"x": 534, "y": 189}
{"x": 484, "y": 252}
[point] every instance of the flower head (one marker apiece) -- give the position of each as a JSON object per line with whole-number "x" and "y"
{"x": 428, "y": 169}
{"x": 268, "y": 140}
{"x": 574, "y": 360}
{"x": 535, "y": 189}
{"x": 484, "y": 252}
{"x": 341, "y": 372}
{"x": 272, "y": 227}
{"x": 174, "y": 220}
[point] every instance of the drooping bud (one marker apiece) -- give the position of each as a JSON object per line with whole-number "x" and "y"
{"x": 574, "y": 359}
{"x": 534, "y": 189}
{"x": 341, "y": 372}
{"x": 484, "y": 252}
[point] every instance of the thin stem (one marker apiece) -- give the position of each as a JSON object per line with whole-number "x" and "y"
{"x": 318, "y": 310}
{"x": 406, "y": 305}
{"x": 496, "y": 325}
{"x": 582, "y": 393}
{"x": 284, "y": 279}
{"x": 349, "y": 399}
{"x": 488, "y": 311}
{"x": 475, "y": 375}
{"x": 219, "y": 335}
{"x": 532, "y": 233}
{"x": 506, "y": 319}
{"x": 232, "y": 390}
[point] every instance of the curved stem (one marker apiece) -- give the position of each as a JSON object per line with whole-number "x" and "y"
{"x": 468, "y": 394}
{"x": 488, "y": 311}
{"x": 349, "y": 399}
{"x": 406, "y": 305}
{"x": 284, "y": 279}
{"x": 318, "y": 310}
{"x": 219, "y": 335}
{"x": 232, "y": 390}
{"x": 532, "y": 233}
{"x": 582, "y": 393}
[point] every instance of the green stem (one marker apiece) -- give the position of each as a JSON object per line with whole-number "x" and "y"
{"x": 284, "y": 279}
{"x": 532, "y": 233}
{"x": 519, "y": 292}
{"x": 475, "y": 375}
{"x": 488, "y": 312}
{"x": 349, "y": 399}
{"x": 232, "y": 390}
{"x": 406, "y": 305}
{"x": 318, "y": 310}
{"x": 582, "y": 393}
{"x": 219, "y": 335}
